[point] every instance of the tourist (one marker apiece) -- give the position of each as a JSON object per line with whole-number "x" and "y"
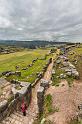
{"x": 23, "y": 108}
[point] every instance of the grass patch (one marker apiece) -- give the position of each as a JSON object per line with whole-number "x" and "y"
{"x": 75, "y": 122}
{"x": 70, "y": 80}
{"x": 31, "y": 74}
{"x": 11, "y": 97}
{"x": 55, "y": 77}
{"x": 48, "y": 108}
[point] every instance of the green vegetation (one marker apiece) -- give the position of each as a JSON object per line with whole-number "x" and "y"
{"x": 37, "y": 121}
{"x": 10, "y": 98}
{"x": 56, "y": 77}
{"x": 8, "y": 62}
{"x": 75, "y": 122}
{"x": 70, "y": 80}
{"x": 76, "y": 55}
{"x": 53, "y": 50}
{"x": 48, "y": 108}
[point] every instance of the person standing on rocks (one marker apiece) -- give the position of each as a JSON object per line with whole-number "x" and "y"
{"x": 23, "y": 108}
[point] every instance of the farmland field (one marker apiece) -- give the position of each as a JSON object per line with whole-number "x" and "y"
{"x": 8, "y": 62}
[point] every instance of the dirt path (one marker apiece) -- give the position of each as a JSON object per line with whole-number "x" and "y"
{"x": 16, "y": 117}
{"x": 67, "y": 100}
{"x": 48, "y": 74}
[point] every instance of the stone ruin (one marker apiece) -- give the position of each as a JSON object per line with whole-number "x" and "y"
{"x": 9, "y": 73}
{"x": 19, "y": 90}
{"x": 40, "y": 99}
{"x": 44, "y": 84}
{"x": 68, "y": 67}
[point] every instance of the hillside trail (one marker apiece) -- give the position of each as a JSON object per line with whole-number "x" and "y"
{"x": 17, "y": 117}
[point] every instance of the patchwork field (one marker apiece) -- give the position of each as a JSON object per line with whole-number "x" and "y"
{"x": 22, "y": 60}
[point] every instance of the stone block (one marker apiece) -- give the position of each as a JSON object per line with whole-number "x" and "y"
{"x": 3, "y": 105}
{"x": 44, "y": 83}
{"x": 40, "y": 99}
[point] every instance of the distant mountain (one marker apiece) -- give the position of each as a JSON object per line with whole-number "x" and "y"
{"x": 30, "y": 44}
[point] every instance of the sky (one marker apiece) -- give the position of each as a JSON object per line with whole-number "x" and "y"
{"x": 59, "y": 20}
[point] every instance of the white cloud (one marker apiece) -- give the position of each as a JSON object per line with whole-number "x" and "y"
{"x": 41, "y": 19}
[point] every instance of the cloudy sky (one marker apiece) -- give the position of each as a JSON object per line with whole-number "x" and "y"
{"x": 41, "y": 19}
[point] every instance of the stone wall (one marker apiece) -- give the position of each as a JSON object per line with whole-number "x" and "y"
{"x": 42, "y": 73}
{"x": 40, "y": 99}
{"x": 44, "y": 84}
{"x": 8, "y": 107}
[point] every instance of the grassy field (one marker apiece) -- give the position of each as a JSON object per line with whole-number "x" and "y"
{"x": 9, "y": 61}
{"x": 23, "y": 59}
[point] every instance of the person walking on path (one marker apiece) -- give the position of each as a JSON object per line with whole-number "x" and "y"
{"x": 23, "y": 108}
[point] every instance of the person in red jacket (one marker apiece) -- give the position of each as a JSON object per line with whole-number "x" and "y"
{"x": 23, "y": 108}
